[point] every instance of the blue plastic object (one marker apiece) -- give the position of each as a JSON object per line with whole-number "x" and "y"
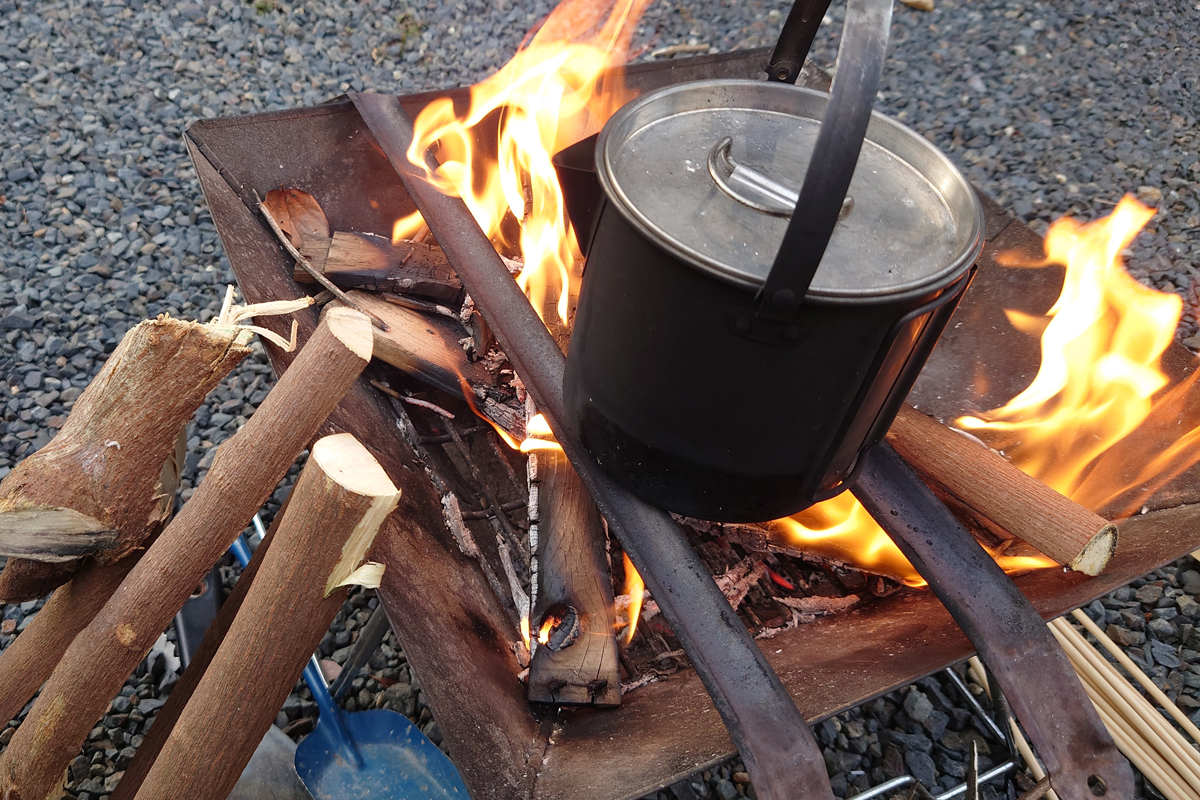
{"x": 367, "y": 754}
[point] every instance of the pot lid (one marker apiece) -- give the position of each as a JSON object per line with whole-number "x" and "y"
{"x": 710, "y": 170}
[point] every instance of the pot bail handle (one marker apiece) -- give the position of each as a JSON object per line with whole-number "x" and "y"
{"x": 795, "y": 39}
{"x": 859, "y": 67}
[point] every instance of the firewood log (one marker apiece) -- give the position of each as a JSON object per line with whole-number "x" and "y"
{"x": 96, "y": 487}
{"x": 245, "y": 471}
{"x": 997, "y": 491}
{"x": 168, "y": 715}
{"x": 578, "y": 662}
{"x": 32, "y": 656}
{"x": 339, "y": 502}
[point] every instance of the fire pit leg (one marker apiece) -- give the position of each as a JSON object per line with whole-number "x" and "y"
{"x": 1002, "y": 624}
{"x": 774, "y": 740}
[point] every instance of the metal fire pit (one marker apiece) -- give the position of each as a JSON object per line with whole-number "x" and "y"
{"x": 450, "y": 625}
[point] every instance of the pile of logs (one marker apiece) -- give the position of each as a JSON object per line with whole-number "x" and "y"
{"x": 106, "y": 468}
{"x": 89, "y": 515}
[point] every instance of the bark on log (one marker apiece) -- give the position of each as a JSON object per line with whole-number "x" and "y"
{"x": 244, "y": 472}
{"x": 168, "y": 715}
{"x": 355, "y": 261}
{"x": 105, "y": 464}
{"x": 32, "y": 656}
{"x": 30, "y": 659}
{"x": 578, "y": 662}
{"x": 999, "y": 492}
{"x": 339, "y": 502}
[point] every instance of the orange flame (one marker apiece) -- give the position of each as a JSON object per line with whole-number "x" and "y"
{"x": 546, "y": 98}
{"x": 407, "y": 227}
{"x": 840, "y": 528}
{"x": 525, "y": 630}
{"x": 538, "y": 436}
{"x": 1100, "y": 371}
{"x": 634, "y": 588}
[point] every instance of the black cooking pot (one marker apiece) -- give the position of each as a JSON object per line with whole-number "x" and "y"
{"x": 729, "y": 364}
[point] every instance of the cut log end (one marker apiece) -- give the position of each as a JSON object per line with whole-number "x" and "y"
{"x": 346, "y": 462}
{"x": 1096, "y": 553}
{"x": 353, "y": 329}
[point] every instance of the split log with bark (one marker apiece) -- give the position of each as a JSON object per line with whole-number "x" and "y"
{"x": 98, "y": 487}
{"x": 244, "y": 472}
{"x": 340, "y": 500}
{"x": 985, "y": 485}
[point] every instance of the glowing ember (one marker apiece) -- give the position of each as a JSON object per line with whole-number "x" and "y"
{"x": 546, "y": 98}
{"x": 635, "y": 588}
{"x": 525, "y": 630}
{"x": 1100, "y": 371}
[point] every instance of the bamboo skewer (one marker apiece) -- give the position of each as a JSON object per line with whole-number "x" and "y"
{"x": 1104, "y": 675}
{"x": 1107, "y": 688}
{"x": 1147, "y": 764}
{"x": 1125, "y": 661}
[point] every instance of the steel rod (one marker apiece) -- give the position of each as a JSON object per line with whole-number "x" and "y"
{"x": 1029, "y": 666}
{"x": 775, "y": 742}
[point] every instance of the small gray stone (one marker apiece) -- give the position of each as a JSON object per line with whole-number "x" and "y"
{"x": 917, "y": 705}
{"x": 1161, "y": 628}
{"x": 922, "y": 767}
{"x": 725, "y": 789}
{"x": 1190, "y": 581}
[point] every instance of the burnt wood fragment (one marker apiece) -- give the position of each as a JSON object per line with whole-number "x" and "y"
{"x": 361, "y": 261}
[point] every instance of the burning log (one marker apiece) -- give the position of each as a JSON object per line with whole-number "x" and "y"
{"x": 339, "y": 502}
{"x": 361, "y": 261}
{"x": 576, "y": 658}
{"x": 244, "y": 473}
{"x": 1000, "y": 493}
{"x": 98, "y": 488}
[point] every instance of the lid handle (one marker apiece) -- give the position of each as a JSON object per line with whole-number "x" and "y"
{"x": 752, "y": 188}
{"x": 859, "y": 67}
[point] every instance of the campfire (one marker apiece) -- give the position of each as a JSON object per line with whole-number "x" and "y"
{"x": 509, "y": 566}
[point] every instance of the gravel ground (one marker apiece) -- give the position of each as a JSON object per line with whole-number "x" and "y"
{"x": 1051, "y": 108}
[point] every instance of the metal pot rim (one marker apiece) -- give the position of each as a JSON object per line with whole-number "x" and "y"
{"x": 883, "y": 133}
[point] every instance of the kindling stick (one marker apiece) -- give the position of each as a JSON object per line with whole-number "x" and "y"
{"x": 779, "y": 749}
{"x": 1003, "y": 494}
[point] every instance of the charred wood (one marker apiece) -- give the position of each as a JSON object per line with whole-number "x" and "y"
{"x": 364, "y": 261}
